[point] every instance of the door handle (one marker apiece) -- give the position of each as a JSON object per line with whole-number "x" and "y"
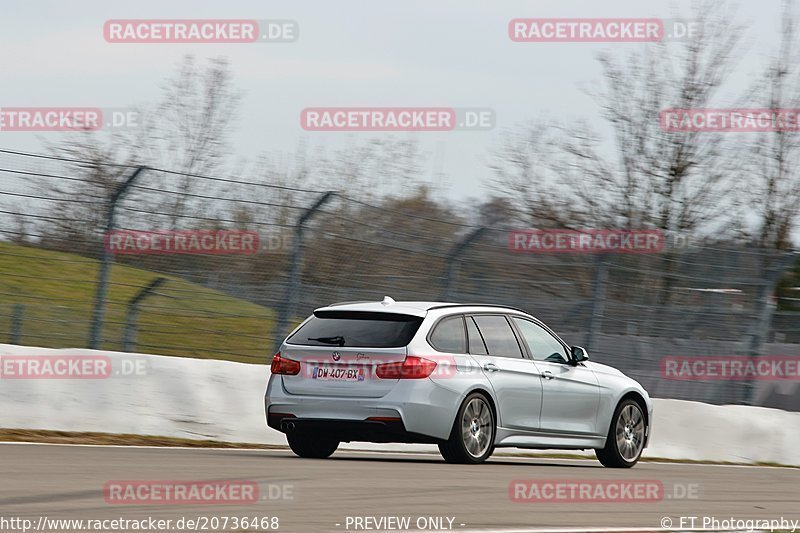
{"x": 547, "y": 374}
{"x": 490, "y": 367}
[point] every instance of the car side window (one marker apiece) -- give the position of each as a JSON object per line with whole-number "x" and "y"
{"x": 448, "y": 335}
{"x": 476, "y": 345}
{"x": 542, "y": 345}
{"x": 498, "y": 335}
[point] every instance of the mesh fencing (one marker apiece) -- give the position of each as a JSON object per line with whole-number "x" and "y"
{"x": 692, "y": 299}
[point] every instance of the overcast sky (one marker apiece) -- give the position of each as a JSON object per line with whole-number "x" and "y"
{"x": 349, "y": 53}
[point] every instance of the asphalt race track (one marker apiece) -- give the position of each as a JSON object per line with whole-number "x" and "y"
{"x": 318, "y": 495}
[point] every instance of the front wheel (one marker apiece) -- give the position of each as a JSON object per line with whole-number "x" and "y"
{"x": 311, "y": 446}
{"x": 625, "y": 440}
{"x": 472, "y": 437}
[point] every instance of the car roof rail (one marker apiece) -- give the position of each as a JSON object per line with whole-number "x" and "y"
{"x": 445, "y": 306}
{"x": 336, "y": 304}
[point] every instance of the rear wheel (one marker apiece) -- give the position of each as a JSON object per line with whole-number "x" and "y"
{"x": 472, "y": 437}
{"x": 311, "y": 446}
{"x": 625, "y": 440}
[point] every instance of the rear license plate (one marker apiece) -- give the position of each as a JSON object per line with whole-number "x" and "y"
{"x": 338, "y": 373}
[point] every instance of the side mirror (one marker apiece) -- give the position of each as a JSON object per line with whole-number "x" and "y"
{"x": 579, "y": 354}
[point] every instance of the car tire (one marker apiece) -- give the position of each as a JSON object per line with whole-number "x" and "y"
{"x": 471, "y": 439}
{"x": 311, "y": 446}
{"x": 626, "y": 434}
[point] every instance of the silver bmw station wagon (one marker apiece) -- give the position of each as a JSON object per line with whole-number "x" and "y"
{"x": 468, "y": 378}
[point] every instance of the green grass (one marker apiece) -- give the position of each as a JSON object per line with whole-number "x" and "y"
{"x": 184, "y": 319}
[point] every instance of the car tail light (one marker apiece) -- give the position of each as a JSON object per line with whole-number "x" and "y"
{"x": 411, "y": 368}
{"x": 281, "y": 365}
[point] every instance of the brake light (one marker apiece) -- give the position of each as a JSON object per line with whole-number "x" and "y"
{"x": 411, "y": 368}
{"x": 281, "y": 365}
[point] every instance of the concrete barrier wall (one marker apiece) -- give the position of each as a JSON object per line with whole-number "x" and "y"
{"x": 220, "y": 400}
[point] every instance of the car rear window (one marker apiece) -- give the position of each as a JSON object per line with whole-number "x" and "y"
{"x": 449, "y": 336}
{"x": 357, "y": 329}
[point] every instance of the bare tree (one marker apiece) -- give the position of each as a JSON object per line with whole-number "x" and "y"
{"x": 673, "y": 181}
{"x": 192, "y": 125}
{"x": 522, "y": 169}
{"x": 679, "y": 182}
{"x": 776, "y": 154}
{"x": 186, "y": 132}
{"x": 93, "y": 170}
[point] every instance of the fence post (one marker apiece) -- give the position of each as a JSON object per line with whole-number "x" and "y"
{"x": 129, "y": 337}
{"x": 105, "y": 263}
{"x": 453, "y": 260}
{"x": 598, "y": 302}
{"x": 763, "y": 315}
{"x": 16, "y": 323}
{"x": 289, "y": 305}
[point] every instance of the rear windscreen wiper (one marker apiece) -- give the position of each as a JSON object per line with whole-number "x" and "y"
{"x": 338, "y": 340}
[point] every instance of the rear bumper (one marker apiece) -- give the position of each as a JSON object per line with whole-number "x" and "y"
{"x": 424, "y": 413}
{"x": 348, "y": 430}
